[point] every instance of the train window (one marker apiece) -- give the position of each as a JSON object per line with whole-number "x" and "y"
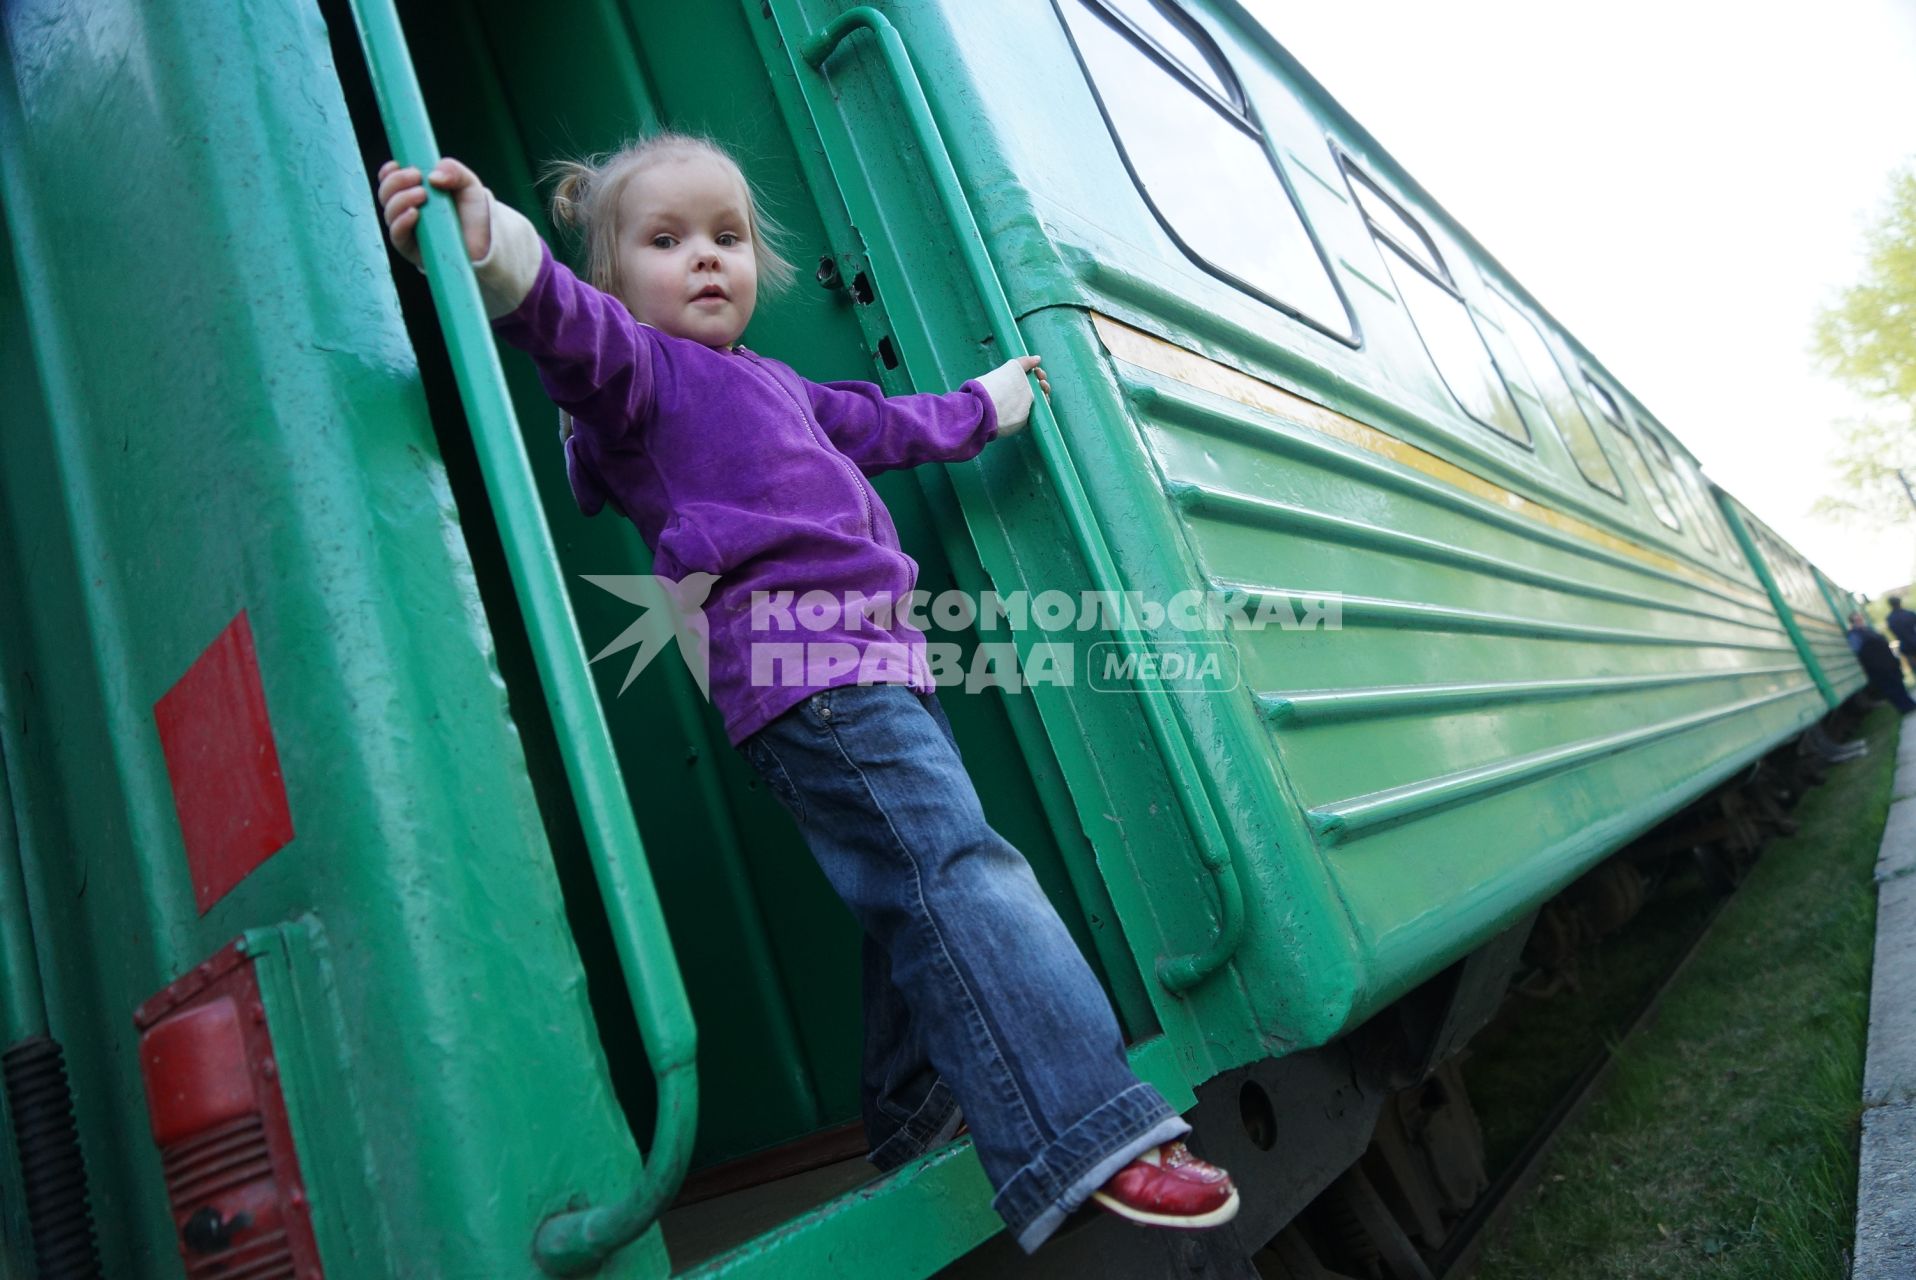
{"x": 1718, "y": 537}
{"x": 1655, "y": 490}
{"x": 1393, "y": 225}
{"x": 1666, "y": 468}
{"x": 1713, "y": 512}
{"x": 1200, "y": 158}
{"x": 1174, "y": 42}
{"x": 1437, "y": 310}
{"x": 1791, "y": 571}
{"x": 1554, "y": 393}
{"x": 1632, "y": 452}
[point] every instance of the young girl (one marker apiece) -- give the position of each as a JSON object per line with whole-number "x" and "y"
{"x": 732, "y": 465}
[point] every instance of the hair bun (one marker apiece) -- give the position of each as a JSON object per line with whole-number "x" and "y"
{"x": 570, "y": 193}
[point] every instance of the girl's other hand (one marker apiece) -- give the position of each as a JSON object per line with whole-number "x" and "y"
{"x": 1010, "y": 392}
{"x": 402, "y": 193}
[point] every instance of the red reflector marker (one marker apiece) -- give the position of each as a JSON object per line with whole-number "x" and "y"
{"x": 220, "y": 757}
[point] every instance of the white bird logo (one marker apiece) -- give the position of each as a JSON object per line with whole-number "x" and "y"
{"x": 682, "y": 618}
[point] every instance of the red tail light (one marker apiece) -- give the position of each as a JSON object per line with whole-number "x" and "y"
{"x": 219, "y": 1119}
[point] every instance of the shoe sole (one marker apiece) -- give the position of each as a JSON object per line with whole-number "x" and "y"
{"x": 1187, "y": 1222}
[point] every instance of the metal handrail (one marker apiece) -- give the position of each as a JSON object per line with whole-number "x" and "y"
{"x": 1195, "y": 790}
{"x": 1836, "y": 610}
{"x": 577, "y": 1241}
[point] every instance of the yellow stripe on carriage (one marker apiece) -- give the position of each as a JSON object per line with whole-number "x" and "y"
{"x": 1150, "y": 352}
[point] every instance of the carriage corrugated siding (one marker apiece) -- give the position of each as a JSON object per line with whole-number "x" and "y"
{"x": 1509, "y": 696}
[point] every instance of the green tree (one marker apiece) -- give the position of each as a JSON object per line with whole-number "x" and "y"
{"x": 1876, "y": 461}
{"x": 1868, "y": 340}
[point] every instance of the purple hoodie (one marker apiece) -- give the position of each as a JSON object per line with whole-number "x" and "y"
{"x": 733, "y": 465}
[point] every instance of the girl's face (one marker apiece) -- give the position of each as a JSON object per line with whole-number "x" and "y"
{"x": 687, "y": 264}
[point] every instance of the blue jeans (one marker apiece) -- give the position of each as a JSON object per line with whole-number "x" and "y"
{"x": 975, "y": 995}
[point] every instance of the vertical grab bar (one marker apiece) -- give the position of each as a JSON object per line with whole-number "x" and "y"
{"x": 577, "y": 1241}
{"x": 1785, "y": 614}
{"x": 1195, "y": 793}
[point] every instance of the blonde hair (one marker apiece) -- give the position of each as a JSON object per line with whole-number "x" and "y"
{"x": 588, "y": 192}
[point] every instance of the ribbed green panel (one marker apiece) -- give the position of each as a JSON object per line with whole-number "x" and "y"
{"x": 1501, "y": 704}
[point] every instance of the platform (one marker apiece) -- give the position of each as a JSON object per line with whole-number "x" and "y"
{"x": 1886, "y": 1178}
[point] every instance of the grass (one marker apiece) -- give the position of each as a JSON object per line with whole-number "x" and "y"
{"x": 1723, "y": 1144}
{"x": 1522, "y": 1063}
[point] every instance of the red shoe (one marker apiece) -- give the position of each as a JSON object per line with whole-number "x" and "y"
{"x": 1170, "y": 1187}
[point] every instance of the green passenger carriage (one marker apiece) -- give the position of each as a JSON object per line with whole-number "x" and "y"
{"x": 304, "y": 762}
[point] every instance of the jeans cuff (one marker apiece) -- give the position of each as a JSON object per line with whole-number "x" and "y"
{"x": 918, "y": 1134}
{"x": 1082, "y": 1159}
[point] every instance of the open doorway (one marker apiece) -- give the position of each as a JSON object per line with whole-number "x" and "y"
{"x": 768, "y": 953}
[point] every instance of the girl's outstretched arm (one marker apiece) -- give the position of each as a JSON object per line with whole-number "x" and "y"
{"x": 594, "y": 359}
{"x": 882, "y": 433}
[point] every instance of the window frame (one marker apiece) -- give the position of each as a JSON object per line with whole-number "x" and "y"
{"x": 1240, "y": 115}
{"x": 1354, "y": 172}
{"x": 1703, "y": 496}
{"x": 1611, "y": 410}
{"x": 1733, "y": 553}
{"x": 1653, "y": 431}
{"x": 1237, "y": 105}
{"x": 1618, "y": 494}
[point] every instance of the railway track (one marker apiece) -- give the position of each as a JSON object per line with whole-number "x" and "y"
{"x": 1436, "y": 1184}
{"x": 1463, "y": 1250}
{"x": 1430, "y": 1194}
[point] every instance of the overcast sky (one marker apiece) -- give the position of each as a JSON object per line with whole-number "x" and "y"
{"x": 1681, "y": 183}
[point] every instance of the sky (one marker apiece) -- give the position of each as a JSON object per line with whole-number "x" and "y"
{"x": 1683, "y": 184}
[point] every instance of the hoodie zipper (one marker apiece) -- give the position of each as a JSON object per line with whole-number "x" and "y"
{"x": 817, "y": 433}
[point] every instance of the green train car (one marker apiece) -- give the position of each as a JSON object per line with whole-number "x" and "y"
{"x": 386, "y": 935}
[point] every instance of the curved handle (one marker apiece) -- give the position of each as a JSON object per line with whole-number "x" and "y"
{"x": 1195, "y": 792}
{"x": 575, "y": 1242}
